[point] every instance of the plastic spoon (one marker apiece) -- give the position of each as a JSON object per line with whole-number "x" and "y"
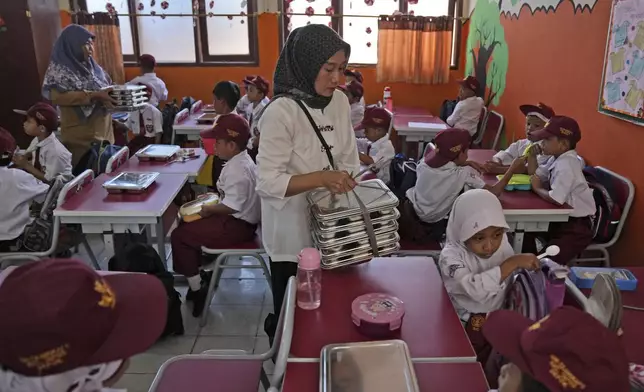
{"x": 552, "y": 250}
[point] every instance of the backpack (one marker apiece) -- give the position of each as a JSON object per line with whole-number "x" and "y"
{"x": 141, "y": 257}
{"x": 169, "y": 112}
{"x": 608, "y": 213}
{"x": 96, "y": 158}
{"x": 39, "y": 234}
{"x": 402, "y": 175}
{"x": 447, "y": 108}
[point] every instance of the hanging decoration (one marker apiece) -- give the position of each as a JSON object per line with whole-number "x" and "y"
{"x": 242, "y": 19}
{"x": 368, "y": 44}
{"x": 330, "y": 24}
{"x": 369, "y": 2}
{"x": 329, "y": 11}
{"x": 153, "y": 13}
{"x": 309, "y": 11}
{"x": 153, "y": 3}
{"x": 368, "y": 30}
{"x": 110, "y": 9}
{"x": 412, "y": 1}
{"x": 411, "y": 12}
{"x": 164, "y": 5}
{"x": 244, "y": 3}
{"x": 140, "y": 7}
{"x": 211, "y": 5}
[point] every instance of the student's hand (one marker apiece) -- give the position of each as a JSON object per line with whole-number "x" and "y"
{"x": 104, "y": 97}
{"x": 206, "y": 210}
{"x": 490, "y": 166}
{"x": 337, "y": 181}
{"x": 534, "y": 150}
{"x": 20, "y": 160}
{"x": 517, "y": 165}
{"x": 476, "y": 166}
{"x": 535, "y": 182}
{"x": 526, "y": 261}
{"x": 256, "y": 141}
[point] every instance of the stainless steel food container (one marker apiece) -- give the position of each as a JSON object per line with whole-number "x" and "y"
{"x": 131, "y": 182}
{"x": 356, "y": 221}
{"x": 157, "y": 151}
{"x": 380, "y": 366}
{"x": 356, "y": 234}
{"x": 358, "y": 257}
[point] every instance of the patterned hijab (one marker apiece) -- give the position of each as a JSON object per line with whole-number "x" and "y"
{"x": 69, "y": 71}
{"x": 305, "y": 52}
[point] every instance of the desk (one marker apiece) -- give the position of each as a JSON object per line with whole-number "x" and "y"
{"x": 100, "y": 212}
{"x": 403, "y": 120}
{"x": 190, "y": 127}
{"x": 524, "y": 211}
{"x": 431, "y": 328}
{"x": 191, "y": 167}
{"x": 432, "y": 377}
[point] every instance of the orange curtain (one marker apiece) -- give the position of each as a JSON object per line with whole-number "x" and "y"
{"x": 414, "y": 49}
{"x": 107, "y": 44}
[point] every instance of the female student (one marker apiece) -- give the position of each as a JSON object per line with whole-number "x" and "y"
{"x": 292, "y": 158}
{"x": 477, "y": 260}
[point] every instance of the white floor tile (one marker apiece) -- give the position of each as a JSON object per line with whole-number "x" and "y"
{"x": 240, "y": 292}
{"x": 147, "y": 363}
{"x": 135, "y": 382}
{"x": 173, "y": 345}
{"x": 232, "y": 320}
{"x": 190, "y": 324}
{"x": 204, "y": 343}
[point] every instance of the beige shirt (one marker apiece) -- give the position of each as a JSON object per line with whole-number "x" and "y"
{"x": 54, "y": 158}
{"x": 236, "y": 186}
{"x": 17, "y": 190}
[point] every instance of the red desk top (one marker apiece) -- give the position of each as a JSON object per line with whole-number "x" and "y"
{"x": 514, "y": 200}
{"x": 405, "y": 111}
{"x": 93, "y": 200}
{"x": 432, "y": 377}
{"x": 191, "y": 123}
{"x": 430, "y": 326}
{"x": 190, "y": 167}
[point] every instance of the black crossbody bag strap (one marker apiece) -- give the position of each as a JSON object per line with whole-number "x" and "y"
{"x": 318, "y": 133}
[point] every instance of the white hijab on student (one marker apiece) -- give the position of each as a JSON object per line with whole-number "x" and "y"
{"x": 84, "y": 379}
{"x": 473, "y": 282}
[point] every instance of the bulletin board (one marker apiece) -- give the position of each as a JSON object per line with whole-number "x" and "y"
{"x": 622, "y": 88}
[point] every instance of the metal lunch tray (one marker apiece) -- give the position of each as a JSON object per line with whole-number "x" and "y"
{"x": 128, "y": 108}
{"x": 355, "y": 221}
{"x": 347, "y": 237}
{"x": 379, "y": 366}
{"x": 357, "y": 246}
{"x": 158, "y": 151}
{"x": 359, "y": 258}
{"x": 130, "y": 101}
{"x": 374, "y": 195}
{"x": 343, "y": 231}
{"x": 127, "y": 88}
{"x": 128, "y": 181}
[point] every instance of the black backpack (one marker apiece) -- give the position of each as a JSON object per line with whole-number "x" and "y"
{"x": 141, "y": 257}
{"x": 169, "y": 112}
{"x": 608, "y": 212}
{"x": 447, "y": 108}
{"x": 402, "y": 174}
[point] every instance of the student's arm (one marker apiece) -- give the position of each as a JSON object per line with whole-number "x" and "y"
{"x": 365, "y": 159}
{"x": 456, "y": 114}
{"x": 32, "y": 188}
{"x": 560, "y": 188}
{"x": 21, "y": 162}
{"x": 164, "y": 91}
{"x": 216, "y": 209}
{"x": 157, "y": 119}
{"x": 347, "y": 158}
{"x": 80, "y": 98}
{"x": 497, "y": 188}
{"x": 459, "y": 279}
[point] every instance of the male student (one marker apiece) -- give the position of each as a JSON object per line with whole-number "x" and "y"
{"x": 467, "y": 112}
{"x": 147, "y": 63}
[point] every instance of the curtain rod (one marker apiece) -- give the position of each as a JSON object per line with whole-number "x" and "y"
{"x": 255, "y": 14}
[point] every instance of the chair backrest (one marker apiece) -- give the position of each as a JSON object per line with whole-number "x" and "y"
{"x": 181, "y": 116}
{"x": 284, "y": 334}
{"x": 624, "y": 196}
{"x": 491, "y": 128}
{"x": 196, "y": 107}
{"x": 75, "y": 186}
{"x": 117, "y": 160}
{"x": 481, "y": 126}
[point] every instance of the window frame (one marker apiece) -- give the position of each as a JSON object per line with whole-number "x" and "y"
{"x": 455, "y": 9}
{"x": 200, "y": 30}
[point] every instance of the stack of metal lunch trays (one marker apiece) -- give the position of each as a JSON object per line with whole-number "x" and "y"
{"x": 129, "y": 98}
{"x": 338, "y": 224}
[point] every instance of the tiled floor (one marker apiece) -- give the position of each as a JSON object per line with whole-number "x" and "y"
{"x": 235, "y": 321}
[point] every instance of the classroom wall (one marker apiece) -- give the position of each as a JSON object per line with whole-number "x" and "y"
{"x": 557, "y": 57}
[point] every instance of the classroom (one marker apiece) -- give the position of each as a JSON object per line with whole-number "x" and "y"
{"x": 332, "y": 195}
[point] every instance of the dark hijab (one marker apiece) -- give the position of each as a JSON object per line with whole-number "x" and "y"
{"x": 306, "y": 50}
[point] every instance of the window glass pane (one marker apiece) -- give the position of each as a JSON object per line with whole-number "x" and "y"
{"x": 429, "y": 8}
{"x": 362, "y": 33}
{"x": 127, "y": 46}
{"x": 301, "y": 6}
{"x": 227, "y": 36}
{"x": 170, "y": 39}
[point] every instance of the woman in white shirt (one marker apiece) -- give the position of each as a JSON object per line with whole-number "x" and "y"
{"x": 292, "y": 159}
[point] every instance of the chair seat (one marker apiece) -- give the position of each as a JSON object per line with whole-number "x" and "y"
{"x": 197, "y": 375}
{"x": 255, "y": 245}
{"x": 406, "y": 245}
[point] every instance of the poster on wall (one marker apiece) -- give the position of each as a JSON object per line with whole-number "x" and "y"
{"x": 622, "y": 89}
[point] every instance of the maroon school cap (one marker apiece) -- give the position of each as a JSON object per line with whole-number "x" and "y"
{"x": 449, "y": 144}
{"x": 147, "y": 61}
{"x": 470, "y": 82}
{"x": 375, "y": 117}
{"x": 569, "y": 350}
{"x": 354, "y": 73}
{"x": 60, "y": 315}
{"x": 231, "y": 127}
{"x": 540, "y": 110}
{"x": 248, "y": 78}
{"x": 260, "y": 83}
{"x": 44, "y": 114}
{"x": 7, "y": 143}
{"x": 560, "y": 126}
{"x": 355, "y": 88}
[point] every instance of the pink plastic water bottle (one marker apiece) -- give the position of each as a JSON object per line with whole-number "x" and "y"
{"x": 387, "y": 100}
{"x": 309, "y": 279}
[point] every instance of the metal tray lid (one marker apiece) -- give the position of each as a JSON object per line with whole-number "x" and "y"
{"x": 131, "y": 181}
{"x": 127, "y": 87}
{"x": 374, "y": 195}
{"x": 381, "y": 366}
{"x": 158, "y": 151}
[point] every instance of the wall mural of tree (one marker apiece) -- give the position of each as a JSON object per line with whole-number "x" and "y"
{"x": 487, "y": 52}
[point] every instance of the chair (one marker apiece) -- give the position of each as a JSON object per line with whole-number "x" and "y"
{"x": 625, "y": 193}
{"x": 493, "y": 124}
{"x": 251, "y": 249}
{"x": 117, "y": 160}
{"x": 232, "y": 371}
{"x": 480, "y": 126}
{"x": 178, "y": 119}
{"x": 196, "y": 107}
{"x": 9, "y": 260}
{"x": 68, "y": 190}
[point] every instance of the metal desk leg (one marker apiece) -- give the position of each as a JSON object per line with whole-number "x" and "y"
{"x": 420, "y": 149}
{"x": 161, "y": 241}
{"x": 108, "y": 240}
{"x": 518, "y": 241}
{"x": 173, "y": 135}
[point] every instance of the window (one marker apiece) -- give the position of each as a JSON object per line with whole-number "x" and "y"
{"x": 361, "y": 30}
{"x": 223, "y": 33}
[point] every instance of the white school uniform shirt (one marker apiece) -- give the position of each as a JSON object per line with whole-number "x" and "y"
{"x": 466, "y": 114}
{"x": 437, "y": 188}
{"x": 159, "y": 90}
{"x": 516, "y": 150}
{"x": 382, "y": 151}
{"x": 472, "y": 282}
{"x": 289, "y": 146}
{"x": 252, "y": 114}
{"x": 54, "y": 158}
{"x": 236, "y": 186}
{"x": 568, "y": 184}
{"x": 242, "y": 105}
{"x": 17, "y": 189}
{"x": 152, "y": 121}
{"x": 357, "y": 113}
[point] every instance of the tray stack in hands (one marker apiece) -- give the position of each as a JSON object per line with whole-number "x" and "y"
{"x": 130, "y": 98}
{"x": 339, "y": 229}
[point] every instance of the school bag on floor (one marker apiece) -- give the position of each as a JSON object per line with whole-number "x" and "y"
{"x": 402, "y": 175}
{"x": 141, "y": 257}
{"x": 608, "y": 213}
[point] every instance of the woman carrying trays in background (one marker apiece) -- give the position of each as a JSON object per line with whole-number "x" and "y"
{"x": 292, "y": 160}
